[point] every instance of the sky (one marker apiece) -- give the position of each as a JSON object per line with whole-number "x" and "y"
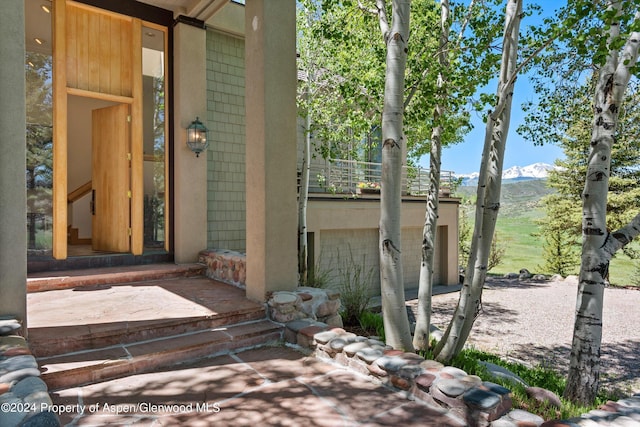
{"x": 464, "y": 158}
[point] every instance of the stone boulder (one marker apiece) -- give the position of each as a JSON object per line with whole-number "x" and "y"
{"x": 524, "y": 274}
{"x": 499, "y": 372}
{"x": 544, "y": 396}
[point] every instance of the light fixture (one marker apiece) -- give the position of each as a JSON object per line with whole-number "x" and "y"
{"x": 197, "y": 137}
{"x": 37, "y": 40}
{"x": 45, "y": 8}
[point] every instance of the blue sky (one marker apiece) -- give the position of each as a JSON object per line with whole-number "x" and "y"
{"x": 464, "y": 158}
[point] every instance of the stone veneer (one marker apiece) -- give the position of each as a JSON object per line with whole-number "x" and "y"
{"x": 284, "y": 306}
{"x": 24, "y": 395}
{"x": 225, "y": 266}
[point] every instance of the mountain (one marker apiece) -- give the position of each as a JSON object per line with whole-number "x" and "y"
{"x": 515, "y": 173}
{"x": 534, "y": 171}
{"x": 518, "y": 197}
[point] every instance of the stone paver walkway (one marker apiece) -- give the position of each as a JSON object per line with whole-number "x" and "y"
{"x": 268, "y": 386}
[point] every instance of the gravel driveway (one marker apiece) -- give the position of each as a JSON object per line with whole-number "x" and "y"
{"x": 533, "y": 322}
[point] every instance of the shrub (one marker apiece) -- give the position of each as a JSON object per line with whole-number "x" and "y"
{"x": 464, "y": 244}
{"x": 354, "y": 282}
{"x": 636, "y": 275}
{"x": 318, "y": 277}
{"x": 372, "y": 323}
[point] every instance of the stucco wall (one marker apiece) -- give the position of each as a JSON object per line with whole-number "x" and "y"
{"x": 226, "y": 213}
{"x": 344, "y": 228}
{"x": 13, "y": 205}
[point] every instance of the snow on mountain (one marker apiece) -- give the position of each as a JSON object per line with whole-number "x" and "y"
{"x": 534, "y": 171}
{"x": 474, "y": 175}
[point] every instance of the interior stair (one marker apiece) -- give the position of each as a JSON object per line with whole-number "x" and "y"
{"x": 92, "y": 326}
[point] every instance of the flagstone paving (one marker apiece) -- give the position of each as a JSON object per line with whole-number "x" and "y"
{"x": 282, "y": 386}
{"x": 267, "y": 386}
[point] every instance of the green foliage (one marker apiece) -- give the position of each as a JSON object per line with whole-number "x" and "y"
{"x": 39, "y": 167}
{"x": 496, "y": 253}
{"x": 520, "y": 232}
{"x": 524, "y": 249}
{"x": 560, "y": 253}
{"x": 636, "y": 274}
{"x": 469, "y": 361}
{"x": 354, "y": 281}
{"x": 540, "y": 376}
{"x": 560, "y": 234}
{"x": 342, "y": 52}
{"x": 321, "y": 274}
{"x": 318, "y": 277}
{"x": 39, "y": 147}
{"x": 465, "y": 232}
{"x": 521, "y": 236}
{"x": 517, "y": 198}
{"x": 577, "y": 45}
{"x": 498, "y": 249}
{"x": 568, "y": 109}
{"x": 44, "y": 239}
{"x": 372, "y": 322}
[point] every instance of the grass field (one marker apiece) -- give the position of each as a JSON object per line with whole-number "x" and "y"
{"x": 516, "y": 228}
{"x": 522, "y": 249}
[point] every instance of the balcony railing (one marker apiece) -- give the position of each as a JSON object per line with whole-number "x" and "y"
{"x": 350, "y": 176}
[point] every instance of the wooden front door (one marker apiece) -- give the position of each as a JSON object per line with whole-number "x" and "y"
{"x": 98, "y": 54}
{"x": 111, "y": 177}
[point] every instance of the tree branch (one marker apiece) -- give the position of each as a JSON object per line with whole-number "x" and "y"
{"x": 467, "y": 18}
{"x": 364, "y": 8}
{"x": 441, "y": 54}
{"x": 383, "y": 19}
{"x": 623, "y": 236}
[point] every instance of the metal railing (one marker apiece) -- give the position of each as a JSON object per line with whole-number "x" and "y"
{"x": 352, "y": 177}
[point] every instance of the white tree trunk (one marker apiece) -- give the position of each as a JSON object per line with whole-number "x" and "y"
{"x": 307, "y": 101}
{"x": 598, "y": 244}
{"x": 488, "y": 194}
{"x": 303, "y": 197}
{"x": 396, "y": 323}
{"x": 429, "y": 232}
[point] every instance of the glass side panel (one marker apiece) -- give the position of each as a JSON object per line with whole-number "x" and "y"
{"x": 153, "y": 66}
{"x": 39, "y": 129}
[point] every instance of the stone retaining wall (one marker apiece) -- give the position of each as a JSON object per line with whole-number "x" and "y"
{"x": 314, "y": 304}
{"x": 474, "y": 401}
{"x": 24, "y": 397}
{"x": 225, "y": 266}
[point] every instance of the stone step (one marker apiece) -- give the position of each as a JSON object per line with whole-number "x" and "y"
{"x": 46, "y": 343}
{"x": 91, "y": 366}
{"x": 47, "y": 281}
{"x": 103, "y": 315}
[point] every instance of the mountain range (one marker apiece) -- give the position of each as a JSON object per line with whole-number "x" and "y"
{"x": 515, "y": 173}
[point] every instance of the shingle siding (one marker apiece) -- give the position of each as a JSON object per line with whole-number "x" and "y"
{"x": 226, "y": 216}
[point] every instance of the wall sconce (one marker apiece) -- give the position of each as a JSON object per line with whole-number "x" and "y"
{"x": 197, "y": 137}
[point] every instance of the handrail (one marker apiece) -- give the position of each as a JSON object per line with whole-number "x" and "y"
{"x": 79, "y": 192}
{"x": 346, "y": 176}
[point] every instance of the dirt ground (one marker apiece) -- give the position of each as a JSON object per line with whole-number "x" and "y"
{"x": 533, "y": 322}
